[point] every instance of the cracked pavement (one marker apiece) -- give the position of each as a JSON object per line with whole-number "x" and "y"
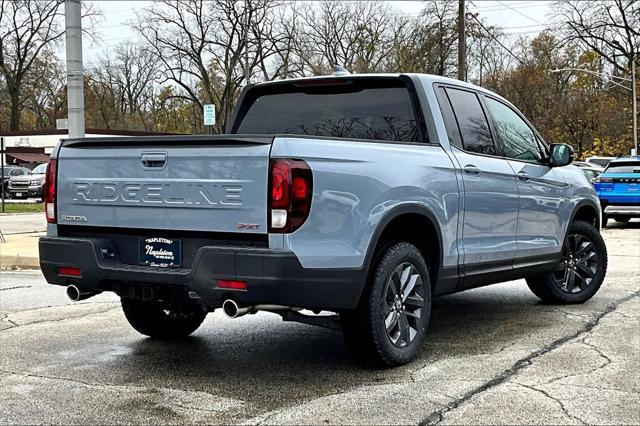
{"x": 494, "y": 355}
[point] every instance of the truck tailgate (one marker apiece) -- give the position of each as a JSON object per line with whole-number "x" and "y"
{"x": 216, "y": 184}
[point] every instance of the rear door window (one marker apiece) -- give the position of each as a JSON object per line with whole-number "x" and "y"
{"x": 472, "y": 122}
{"x": 359, "y": 109}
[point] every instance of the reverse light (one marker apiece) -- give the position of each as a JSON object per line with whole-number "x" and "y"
{"x": 50, "y": 191}
{"x": 231, "y": 284}
{"x": 69, "y": 272}
{"x": 290, "y": 188}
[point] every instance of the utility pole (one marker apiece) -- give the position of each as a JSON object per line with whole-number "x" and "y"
{"x": 634, "y": 94}
{"x": 75, "y": 71}
{"x": 462, "y": 47}
{"x": 247, "y": 75}
{"x": 2, "y": 176}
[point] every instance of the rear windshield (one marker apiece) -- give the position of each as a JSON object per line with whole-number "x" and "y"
{"x": 369, "y": 109}
{"x": 620, "y": 167}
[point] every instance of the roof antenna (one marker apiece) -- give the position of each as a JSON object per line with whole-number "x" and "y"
{"x": 339, "y": 71}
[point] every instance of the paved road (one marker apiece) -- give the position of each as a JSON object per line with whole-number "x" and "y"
{"x": 22, "y": 223}
{"x": 495, "y": 355}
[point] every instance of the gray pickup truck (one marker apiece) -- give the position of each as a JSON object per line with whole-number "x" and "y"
{"x": 343, "y": 201}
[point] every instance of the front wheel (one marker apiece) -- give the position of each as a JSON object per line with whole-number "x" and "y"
{"x": 390, "y": 324}
{"x": 155, "y": 320}
{"x": 580, "y": 272}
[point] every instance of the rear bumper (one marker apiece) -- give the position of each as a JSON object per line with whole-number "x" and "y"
{"x": 614, "y": 210}
{"x": 272, "y": 276}
{"x": 613, "y": 206}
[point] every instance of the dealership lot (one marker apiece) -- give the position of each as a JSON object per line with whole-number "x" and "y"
{"x": 495, "y": 355}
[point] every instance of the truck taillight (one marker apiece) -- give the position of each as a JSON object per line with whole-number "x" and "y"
{"x": 50, "y": 191}
{"x": 290, "y": 190}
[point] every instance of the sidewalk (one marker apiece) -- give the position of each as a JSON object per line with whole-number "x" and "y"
{"x": 20, "y": 252}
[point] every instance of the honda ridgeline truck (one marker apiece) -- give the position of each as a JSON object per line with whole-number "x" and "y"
{"x": 364, "y": 196}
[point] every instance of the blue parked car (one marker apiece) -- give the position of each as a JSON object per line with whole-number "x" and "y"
{"x": 619, "y": 190}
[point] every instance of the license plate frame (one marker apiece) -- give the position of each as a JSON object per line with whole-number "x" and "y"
{"x": 160, "y": 252}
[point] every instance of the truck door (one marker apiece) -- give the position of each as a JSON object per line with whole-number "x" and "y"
{"x": 542, "y": 189}
{"x": 488, "y": 240}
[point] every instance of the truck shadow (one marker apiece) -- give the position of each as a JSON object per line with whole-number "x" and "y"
{"x": 632, "y": 224}
{"x": 264, "y": 356}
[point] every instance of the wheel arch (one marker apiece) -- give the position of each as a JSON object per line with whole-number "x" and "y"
{"x": 400, "y": 224}
{"x": 586, "y": 211}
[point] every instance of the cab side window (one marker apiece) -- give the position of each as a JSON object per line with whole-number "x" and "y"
{"x": 517, "y": 138}
{"x": 449, "y": 118}
{"x": 472, "y": 122}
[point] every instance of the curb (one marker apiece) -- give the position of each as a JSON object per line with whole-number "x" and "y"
{"x": 17, "y": 262}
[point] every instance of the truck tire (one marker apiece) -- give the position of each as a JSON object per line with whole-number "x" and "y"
{"x": 390, "y": 325}
{"x": 580, "y": 272}
{"x": 154, "y": 320}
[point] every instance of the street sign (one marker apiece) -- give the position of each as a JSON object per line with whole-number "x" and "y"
{"x": 62, "y": 123}
{"x": 209, "y": 114}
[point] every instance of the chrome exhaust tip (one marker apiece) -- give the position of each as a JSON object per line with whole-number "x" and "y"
{"x": 76, "y": 294}
{"x": 230, "y": 308}
{"x": 233, "y": 310}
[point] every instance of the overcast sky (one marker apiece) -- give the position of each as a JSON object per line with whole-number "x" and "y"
{"x": 518, "y": 17}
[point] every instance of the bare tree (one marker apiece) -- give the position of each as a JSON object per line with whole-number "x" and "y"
{"x": 609, "y": 28}
{"x": 209, "y": 49}
{"x": 128, "y": 76}
{"x": 356, "y": 35}
{"x": 26, "y": 28}
{"x": 429, "y": 43}
{"x": 42, "y": 92}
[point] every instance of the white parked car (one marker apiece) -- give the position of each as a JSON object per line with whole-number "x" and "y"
{"x": 600, "y": 161}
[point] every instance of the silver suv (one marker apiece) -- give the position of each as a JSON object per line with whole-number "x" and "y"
{"x": 362, "y": 195}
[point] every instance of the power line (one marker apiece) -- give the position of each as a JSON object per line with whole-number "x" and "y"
{"x": 519, "y": 13}
{"x": 497, "y": 40}
{"x": 529, "y": 17}
{"x": 494, "y": 8}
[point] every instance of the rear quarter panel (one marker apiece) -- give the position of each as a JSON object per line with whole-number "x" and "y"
{"x": 356, "y": 184}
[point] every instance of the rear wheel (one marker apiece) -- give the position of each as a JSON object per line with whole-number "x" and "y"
{"x": 390, "y": 324}
{"x": 155, "y": 320}
{"x": 580, "y": 272}
{"x": 622, "y": 219}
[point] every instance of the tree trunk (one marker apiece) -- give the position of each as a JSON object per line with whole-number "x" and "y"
{"x": 14, "y": 97}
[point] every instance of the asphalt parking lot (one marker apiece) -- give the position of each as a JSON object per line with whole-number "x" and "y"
{"x": 494, "y": 355}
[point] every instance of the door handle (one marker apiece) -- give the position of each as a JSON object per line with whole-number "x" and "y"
{"x": 154, "y": 159}
{"x": 522, "y": 175}
{"x": 471, "y": 169}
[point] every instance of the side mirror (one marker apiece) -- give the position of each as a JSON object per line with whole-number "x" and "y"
{"x": 561, "y": 155}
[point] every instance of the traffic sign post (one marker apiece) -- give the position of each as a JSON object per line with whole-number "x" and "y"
{"x": 209, "y": 111}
